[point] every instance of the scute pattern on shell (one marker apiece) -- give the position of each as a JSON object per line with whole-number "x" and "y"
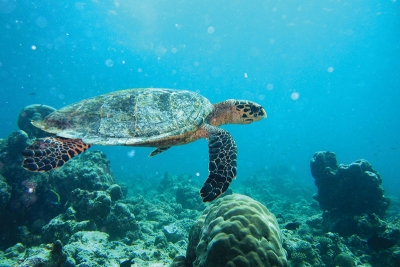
{"x": 151, "y": 117}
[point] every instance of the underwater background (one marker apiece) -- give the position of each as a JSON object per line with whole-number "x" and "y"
{"x": 326, "y": 72}
{"x": 339, "y": 60}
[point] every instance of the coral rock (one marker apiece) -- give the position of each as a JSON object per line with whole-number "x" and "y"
{"x": 34, "y": 112}
{"x": 115, "y": 192}
{"x": 5, "y": 194}
{"x": 173, "y": 233}
{"x": 236, "y": 231}
{"x": 89, "y": 171}
{"x": 347, "y": 189}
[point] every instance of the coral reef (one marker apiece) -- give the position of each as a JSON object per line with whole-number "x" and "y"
{"x": 45, "y": 255}
{"x": 308, "y": 249}
{"x": 92, "y": 211}
{"x": 93, "y": 249}
{"x": 5, "y": 195}
{"x": 345, "y": 191}
{"x": 29, "y": 200}
{"x": 88, "y": 205}
{"x": 344, "y": 260}
{"x": 188, "y": 197}
{"x": 236, "y": 231}
{"x": 120, "y": 221}
{"x": 89, "y": 171}
{"x": 78, "y": 216}
{"x": 26, "y": 198}
{"x": 64, "y": 226}
{"x": 281, "y": 180}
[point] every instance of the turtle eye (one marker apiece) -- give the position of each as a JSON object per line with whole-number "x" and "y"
{"x": 254, "y": 108}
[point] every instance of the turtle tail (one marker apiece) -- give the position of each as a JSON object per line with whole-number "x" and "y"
{"x": 222, "y": 163}
{"x": 51, "y": 153}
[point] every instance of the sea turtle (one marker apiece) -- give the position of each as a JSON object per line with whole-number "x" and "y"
{"x": 152, "y": 117}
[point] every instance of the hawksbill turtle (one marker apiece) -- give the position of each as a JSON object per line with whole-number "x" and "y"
{"x": 152, "y": 117}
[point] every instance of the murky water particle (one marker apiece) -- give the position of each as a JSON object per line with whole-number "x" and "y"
{"x": 270, "y": 86}
{"x": 330, "y": 69}
{"x": 131, "y": 153}
{"x": 197, "y": 174}
{"x": 33, "y": 47}
{"x": 109, "y": 63}
{"x": 295, "y": 96}
{"x": 41, "y": 22}
{"x": 245, "y": 75}
{"x": 79, "y": 6}
{"x": 210, "y": 30}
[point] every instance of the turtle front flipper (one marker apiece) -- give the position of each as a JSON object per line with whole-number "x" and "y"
{"x": 51, "y": 152}
{"x": 222, "y": 164}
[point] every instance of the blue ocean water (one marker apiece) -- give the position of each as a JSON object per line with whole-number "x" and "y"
{"x": 327, "y": 73}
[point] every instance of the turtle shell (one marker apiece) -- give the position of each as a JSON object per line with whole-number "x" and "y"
{"x": 142, "y": 117}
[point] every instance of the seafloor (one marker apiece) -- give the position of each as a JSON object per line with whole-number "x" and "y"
{"x": 78, "y": 215}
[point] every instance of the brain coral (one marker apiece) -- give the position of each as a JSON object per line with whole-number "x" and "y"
{"x": 236, "y": 231}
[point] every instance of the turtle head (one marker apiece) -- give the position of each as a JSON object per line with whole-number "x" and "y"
{"x": 247, "y": 112}
{"x": 234, "y": 111}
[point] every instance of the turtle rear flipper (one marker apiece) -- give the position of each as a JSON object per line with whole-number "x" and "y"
{"x": 51, "y": 152}
{"x": 222, "y": 163}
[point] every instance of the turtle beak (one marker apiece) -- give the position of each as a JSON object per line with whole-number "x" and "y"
{"x": 258, "y": 112}
{"x": 262, "y": 113}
